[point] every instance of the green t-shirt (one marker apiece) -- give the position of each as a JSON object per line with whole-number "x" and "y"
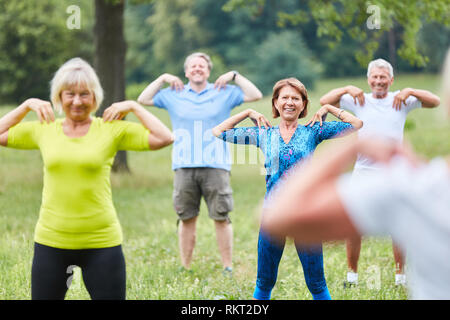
{"x": 77, "y": 210}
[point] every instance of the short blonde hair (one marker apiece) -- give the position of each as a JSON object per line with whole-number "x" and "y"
{"x": 74, "y": 72}
{"x": 297, "y": 85}
{"x": 201, "y": 55}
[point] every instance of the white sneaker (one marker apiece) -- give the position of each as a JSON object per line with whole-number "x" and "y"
{"x": 352, "y": 280}
{"x": 400, "y": 279}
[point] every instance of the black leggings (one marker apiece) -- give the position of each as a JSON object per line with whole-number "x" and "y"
{"x": 103, "y": 272}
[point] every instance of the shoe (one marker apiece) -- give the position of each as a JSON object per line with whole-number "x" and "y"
{"x": 348, "y": 284}
{"x": 227, "y": 272}
{"x": 352, "y": 280}
{"x": 400, "y": 280}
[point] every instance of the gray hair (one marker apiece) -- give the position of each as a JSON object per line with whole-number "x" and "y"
{"x": 74, "y": 72}
{"x": 201, "y": 55}
{"x": 380, "y": 63}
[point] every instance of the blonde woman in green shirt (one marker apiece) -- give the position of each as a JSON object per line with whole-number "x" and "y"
{"x": 77, "y": 224}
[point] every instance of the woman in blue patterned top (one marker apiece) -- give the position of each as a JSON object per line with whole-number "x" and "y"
{"x": 284, "y": 146}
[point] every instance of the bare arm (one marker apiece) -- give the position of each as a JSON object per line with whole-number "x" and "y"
{"x": 4, "y": 139}
{"x": 159, "y": 137}
{"x": 341, "y": 114}
{"x": 428, "y": 99}
{"x": 42, "y": 108}
{"x": 146, "y": 97}
{"x": 309, "y": 207}
{"x": 251, "y": 92}
{"x": 334, "y": 96}
{"x": 232, "y": 121}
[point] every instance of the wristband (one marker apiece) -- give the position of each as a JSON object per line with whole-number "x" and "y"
{"x": 235, "y": 73}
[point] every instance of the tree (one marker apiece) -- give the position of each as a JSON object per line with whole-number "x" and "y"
{"x": 33, "y": 46}
{"x": 175, "y": 33}
{"x": 282, "y": 55}
{"x": 110, "y": 49}
{"x": 363, "y": 21}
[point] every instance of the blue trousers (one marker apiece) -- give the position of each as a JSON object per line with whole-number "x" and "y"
{"x": 269, "y": 256}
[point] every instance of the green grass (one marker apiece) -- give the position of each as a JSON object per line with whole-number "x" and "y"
{"x": 144, "y": 204}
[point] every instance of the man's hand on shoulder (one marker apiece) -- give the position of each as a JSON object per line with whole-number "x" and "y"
{"x": 222, "y": 81}
{"x": 174, "y": 82}
{"x": 356, "y": 93}
{"x": 400, "y": 98}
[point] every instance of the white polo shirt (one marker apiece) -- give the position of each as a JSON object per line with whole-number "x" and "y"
{"x": 380, "y": 119}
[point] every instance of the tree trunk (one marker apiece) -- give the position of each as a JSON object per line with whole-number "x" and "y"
{"x": 109, "y": 61}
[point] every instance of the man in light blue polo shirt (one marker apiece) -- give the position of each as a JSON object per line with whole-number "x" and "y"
{"x": 201, "y": 162}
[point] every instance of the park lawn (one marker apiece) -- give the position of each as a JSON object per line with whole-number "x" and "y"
{"x": 143, "y": 201}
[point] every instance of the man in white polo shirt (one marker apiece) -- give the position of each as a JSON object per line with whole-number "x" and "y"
{"x": 384, "y": 114}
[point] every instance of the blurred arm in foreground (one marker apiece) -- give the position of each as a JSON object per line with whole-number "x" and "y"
{"x": 309, "y": 208}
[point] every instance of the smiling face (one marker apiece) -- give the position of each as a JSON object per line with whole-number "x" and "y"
{"x": 379, "y": 81}
{"x": 78, "y": 102}
{"x": 289, "y": 103}
{"x": 197, "y": 70}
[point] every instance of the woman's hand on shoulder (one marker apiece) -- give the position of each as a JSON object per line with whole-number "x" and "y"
{"x": 258, "y": 119}
{"x": 42, "y": 108}
{"x": 319, "y": 116}
{"x": 118, "y": 110}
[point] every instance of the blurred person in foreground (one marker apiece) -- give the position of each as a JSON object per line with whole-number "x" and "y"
{"x": 78, "y": 224}
{"x": 284, "y": 146}
{"x": 384, "y": 114}
{"x": 408, "y": 199}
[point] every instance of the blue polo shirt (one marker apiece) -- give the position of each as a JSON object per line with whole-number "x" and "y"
{"x": 193, "y": 116}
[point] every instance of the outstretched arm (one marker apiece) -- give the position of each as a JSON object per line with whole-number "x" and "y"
{"x": 334, "y": 96}
{"x": 428, "y": 99}
{"x": 231, "y": 122}
{"x": 42, "y": 108}
{"x": 251, "y": 92}
{"x": 159, "y": 137}
{"x": 146, "y": 97}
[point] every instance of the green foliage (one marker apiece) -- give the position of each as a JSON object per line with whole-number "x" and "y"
{"x": 340, "y": 60}
{"x": 433, "y": 39}
{"x": 233, "y": 32}
{"x": 283, "y": 55}
{"x": 175, "y": 33}
{"x": 140, "y": 64}
{"x": 35, "y": 41}
{"x": 352, "y": 16}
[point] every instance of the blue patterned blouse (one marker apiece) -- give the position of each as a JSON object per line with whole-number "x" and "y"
{"x": 279, "y": 156}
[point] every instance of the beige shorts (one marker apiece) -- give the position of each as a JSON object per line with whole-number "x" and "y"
{"x": 190, "y": 184}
